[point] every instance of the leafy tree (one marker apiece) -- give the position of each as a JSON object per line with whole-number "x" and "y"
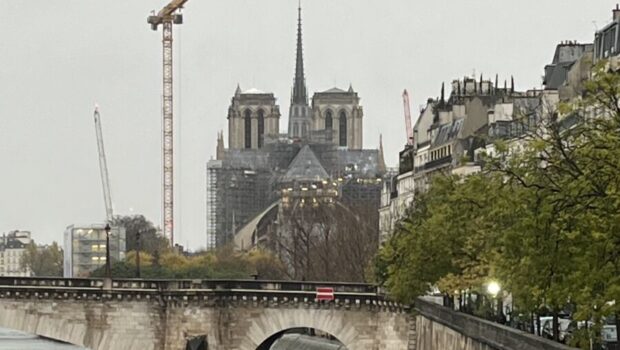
{"x": 223, "y": 263}
{"x": 151, "y": 241}
{"x": 543, "y": 217}
{"x": 44, "y": 261}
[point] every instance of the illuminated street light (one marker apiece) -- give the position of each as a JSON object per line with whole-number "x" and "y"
{"x": 493, "y": 288}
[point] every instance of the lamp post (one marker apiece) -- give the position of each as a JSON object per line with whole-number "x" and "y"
{"x": 494, "y": 289}
{"x": 108, "y": 270}
{"x": 138, "y": 248}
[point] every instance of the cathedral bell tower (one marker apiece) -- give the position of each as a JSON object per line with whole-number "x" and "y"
{"x": 299, "y": 120}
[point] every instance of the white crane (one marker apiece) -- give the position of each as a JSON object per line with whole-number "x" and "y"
{"x": 103, "y": 167}
{"x": 408, "y": 128}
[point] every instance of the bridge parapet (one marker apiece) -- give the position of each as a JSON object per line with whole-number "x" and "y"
{"x": 196, "y": 290}
{"x": 441, "y": 328}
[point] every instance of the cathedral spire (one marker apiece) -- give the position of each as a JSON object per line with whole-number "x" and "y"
{"x": 299, "y": 89}
{"x": 381, "y": 166}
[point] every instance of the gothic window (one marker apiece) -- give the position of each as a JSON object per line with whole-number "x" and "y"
{"x": 304, "y": 130}
{"x": 329, "y": 124}
{"x": 329, "y": 120}
{"x": 295, "y": 130}
{"x": 343, "y": 129}
{"x": 261, "y": 128}
{"x": 248, "y": 128}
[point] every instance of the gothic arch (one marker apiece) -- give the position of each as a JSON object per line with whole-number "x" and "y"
{"x": 296, "y": 130}
{"x": 329, "y": 120}
{"x": 274, "y": 322}
{"x": 269, "y": 342}
{"x": 248, "y": 128}
{"x": 342, "y": 128}
{"x": 261, "y": 128}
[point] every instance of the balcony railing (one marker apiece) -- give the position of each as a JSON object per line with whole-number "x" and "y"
{"x": 438, "y": 163}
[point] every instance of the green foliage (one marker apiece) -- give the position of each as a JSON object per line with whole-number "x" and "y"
{"x": 152, "y": 242}
{"x": 542, "y": 218}
{"x": 44, "y": 261}
{"x": 223, "y": 263}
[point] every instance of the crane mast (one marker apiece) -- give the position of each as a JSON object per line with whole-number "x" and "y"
{"x": 103, "y": 167}
{"x": 408, "y": 118}
{"x": 166, "y": 17}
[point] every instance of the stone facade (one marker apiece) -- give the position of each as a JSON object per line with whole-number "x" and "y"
{"x": 96, "y": 324}
{"x": 12, "y": 248}
{"x": 337, "y": 118}
{"x": 253, "y": 116}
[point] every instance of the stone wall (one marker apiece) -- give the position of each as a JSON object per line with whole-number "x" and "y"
{"x": 130, "y": 320}
{"x": 96, "y": 324}
{"x": 440, "y": 328}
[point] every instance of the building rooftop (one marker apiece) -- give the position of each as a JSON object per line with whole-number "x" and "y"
{"x": 253, "y": 91}
{"x": 448, "y": 132}
{"x": 305, "y": 168}
{"x": 334, "y": 90}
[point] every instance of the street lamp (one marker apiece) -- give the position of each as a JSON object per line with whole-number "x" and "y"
{"x": 493, "y": 288}
{"x": 108, "y": 270}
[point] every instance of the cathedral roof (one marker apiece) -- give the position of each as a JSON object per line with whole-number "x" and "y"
{"x": 305, "y": 167}
{"x": 253, "y": 91}
{"x": 334, "y": 90}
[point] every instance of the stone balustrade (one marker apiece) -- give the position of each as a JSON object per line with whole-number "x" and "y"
{"x": 347, "y": 294}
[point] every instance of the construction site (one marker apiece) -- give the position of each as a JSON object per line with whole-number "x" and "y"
{"x": 88, "y": 246}
{"x": 302, "y": 193}
{"x": 323, "y": 147}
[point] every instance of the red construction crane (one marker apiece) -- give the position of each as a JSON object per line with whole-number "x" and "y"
{"x": 168, "y": 16}
{"x": 408, "y": 118}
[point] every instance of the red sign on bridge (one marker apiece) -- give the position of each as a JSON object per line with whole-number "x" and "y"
{"x": 325, "y": 293}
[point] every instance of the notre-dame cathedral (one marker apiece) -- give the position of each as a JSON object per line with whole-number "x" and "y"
{"x": 253, "y": 181}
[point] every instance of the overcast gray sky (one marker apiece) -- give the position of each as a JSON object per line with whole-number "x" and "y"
{"x": 59, "y": 57}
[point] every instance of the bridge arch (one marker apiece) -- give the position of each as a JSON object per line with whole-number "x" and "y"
{"x": 269, "y": 342}
{"x": 274, "y": 322}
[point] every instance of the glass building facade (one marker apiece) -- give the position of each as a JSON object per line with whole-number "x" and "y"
{"x": 85, "y": 248}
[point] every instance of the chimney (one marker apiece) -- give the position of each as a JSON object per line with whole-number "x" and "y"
{"x": 616, "y": 12}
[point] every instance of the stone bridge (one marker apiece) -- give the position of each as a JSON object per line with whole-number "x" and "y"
{"x": 163, "y": 314}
